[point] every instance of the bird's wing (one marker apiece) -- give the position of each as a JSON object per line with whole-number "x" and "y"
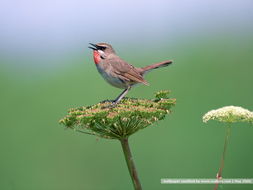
{"x": 128, "y": 71}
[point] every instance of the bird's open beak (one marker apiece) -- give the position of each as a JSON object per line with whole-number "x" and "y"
{"x": 95, "y": 47}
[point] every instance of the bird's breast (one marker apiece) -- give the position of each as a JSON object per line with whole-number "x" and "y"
{"x": 110, "y": 76}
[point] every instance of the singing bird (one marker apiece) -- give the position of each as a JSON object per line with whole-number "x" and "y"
{"x": 118, "y": 72}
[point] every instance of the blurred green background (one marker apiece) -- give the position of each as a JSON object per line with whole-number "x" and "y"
{"x": 46, "y": 68}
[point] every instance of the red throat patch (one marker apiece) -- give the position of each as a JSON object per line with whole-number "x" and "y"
{"x": 96, "y": 57}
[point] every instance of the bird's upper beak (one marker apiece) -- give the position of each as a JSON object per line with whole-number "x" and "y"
{"x": 95, "y": 47}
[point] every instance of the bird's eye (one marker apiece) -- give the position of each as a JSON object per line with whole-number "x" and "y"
{"x": 102, "y": 48}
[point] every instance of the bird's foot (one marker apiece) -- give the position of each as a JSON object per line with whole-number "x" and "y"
{"x": 112, "y": 104}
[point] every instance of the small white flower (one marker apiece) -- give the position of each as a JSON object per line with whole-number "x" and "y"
{"x": 229, "y": 114}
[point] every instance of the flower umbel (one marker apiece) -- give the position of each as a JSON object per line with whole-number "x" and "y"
{"x": 229, "y": 114}
{"x": 121, "y": 121}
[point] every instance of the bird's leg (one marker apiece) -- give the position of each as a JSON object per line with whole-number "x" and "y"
{"x": 121, "y": 95}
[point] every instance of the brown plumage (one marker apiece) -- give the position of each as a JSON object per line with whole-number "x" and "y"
{"x": 117, "y": 72}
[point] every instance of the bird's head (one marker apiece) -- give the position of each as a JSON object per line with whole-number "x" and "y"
{"x": 101, "y": 51}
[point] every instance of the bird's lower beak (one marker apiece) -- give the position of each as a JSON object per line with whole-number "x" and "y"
{"x": 95, "y": 47}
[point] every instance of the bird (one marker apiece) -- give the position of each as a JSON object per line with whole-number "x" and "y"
{"x": 118, "y": 72}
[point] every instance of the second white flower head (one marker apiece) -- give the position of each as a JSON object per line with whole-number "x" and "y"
{"x": 229, "y": 114}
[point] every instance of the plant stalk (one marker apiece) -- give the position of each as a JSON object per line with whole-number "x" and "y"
{"x": 219, "y": 174}
{"x": 130, "y": 163}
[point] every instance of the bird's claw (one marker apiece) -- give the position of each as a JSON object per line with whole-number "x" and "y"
{"x": 112, "y": 105}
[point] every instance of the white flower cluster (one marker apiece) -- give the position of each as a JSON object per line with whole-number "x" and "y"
{"x": 229, "y": 114}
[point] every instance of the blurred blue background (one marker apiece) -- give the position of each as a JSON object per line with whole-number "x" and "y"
{"x": 46, "y": 68}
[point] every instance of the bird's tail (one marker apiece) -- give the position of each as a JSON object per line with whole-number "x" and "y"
{"x": 148, "y": 68}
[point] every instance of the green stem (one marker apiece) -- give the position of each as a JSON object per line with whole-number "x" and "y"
{"x": 219, "y": 174}
{"x": 130, "y": 163}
